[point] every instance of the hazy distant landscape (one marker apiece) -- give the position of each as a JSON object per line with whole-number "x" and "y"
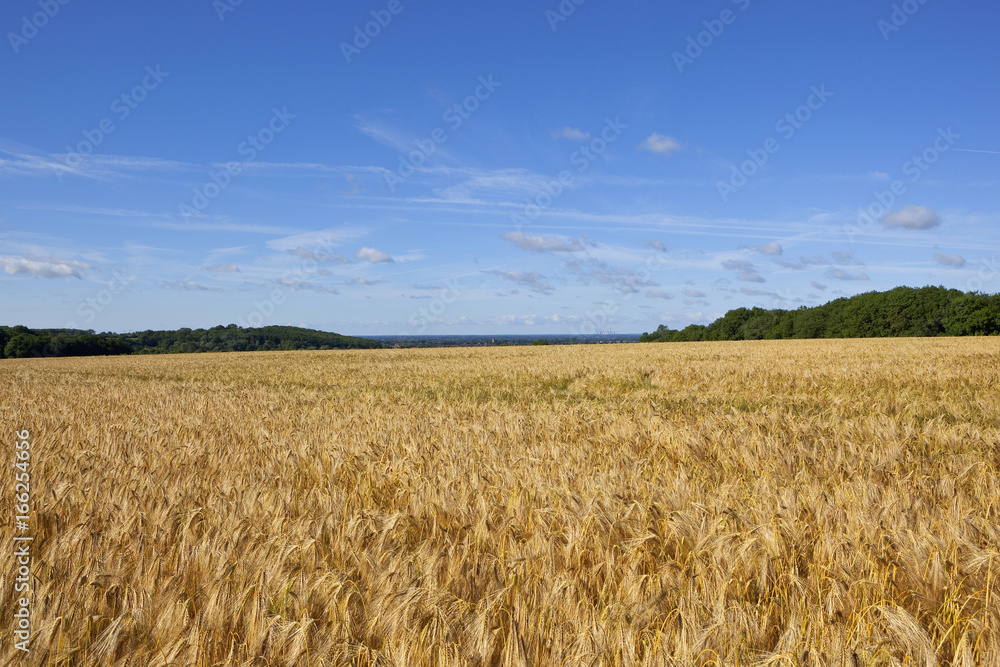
{"x": 903, "y": 312}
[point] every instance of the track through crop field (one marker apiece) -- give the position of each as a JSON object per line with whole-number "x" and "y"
{"x": 768, "y": 503}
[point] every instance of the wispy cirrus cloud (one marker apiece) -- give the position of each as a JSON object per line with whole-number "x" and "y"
{"x": 131, "y": 163}
{"x": 306, "y": 286}
{"x": 188, "y": 286}
{"x": 745, "y": 270}
{"x": 845, "y": 258}
{"x": 20, "y": 160}
{"x": 975, "y": 150}
{"x": 954, "y": 261}
{"x": 840, "y": 274}
{"x": 94, "y": 210}
{"x": 752, "y": 291}
{"x": 475, "y": 185}
{"x": 534, "y": 280}
{"x": 383, "y": 133}
{"x": 222, "y": 268}
{"x": 93, "y": 166}
{"x": 364, "y": 282}
{"x": 543, "y": 244}
{"x": 319, "y": 256}
{"x": 624, "y": 280}
{"x": 331, "y": 237}
{"x": 803, "y": 263}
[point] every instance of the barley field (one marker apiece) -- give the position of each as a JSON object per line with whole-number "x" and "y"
{"x": 767, "y": 503}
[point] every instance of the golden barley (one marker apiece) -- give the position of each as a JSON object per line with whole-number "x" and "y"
{"x": 771, "y": 503}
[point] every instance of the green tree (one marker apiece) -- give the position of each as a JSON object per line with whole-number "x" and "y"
{"x": 22, "y": 345}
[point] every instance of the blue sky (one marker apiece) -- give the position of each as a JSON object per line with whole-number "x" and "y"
{"x": 405, "y": 167}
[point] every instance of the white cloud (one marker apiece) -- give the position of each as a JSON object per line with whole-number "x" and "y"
{"x": 622, "y": 279}
{"x": 750, "y": 277}
{"x": 534, "y": 280}
{"x": 542, "y": 243}
{"x": 189, "y": 286}
{"x": 840, "y": 274}
{"x": 659, "y": 143}
{"x": 845, "y": 258}
{"x": 913, "y": 217}
{"x": 803, "y": 262}
{"x": 320, "y": 256}
{"x": 570, "y": 133}
{"x": 956, "y": 261}
{"x": 304, "y": 286}
{"x": 374, "y": 256}
{"x": 745, "y": 271}
{"x": 44, "y": 267}
{"x": 772, "y": 248}
{"x": 694, "y": 294}
{"x": 659, "y": 294}
{"x": 753, "y": 291}
{"x": 223, "y": 268}
{"x": 820, "y": 286}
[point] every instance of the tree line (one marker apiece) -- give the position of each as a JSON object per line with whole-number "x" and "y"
{"x": 21, "y": 342}
{"x": 904, "y": 311}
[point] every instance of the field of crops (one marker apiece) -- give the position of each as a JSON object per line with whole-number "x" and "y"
{"x": 768, "y": 503}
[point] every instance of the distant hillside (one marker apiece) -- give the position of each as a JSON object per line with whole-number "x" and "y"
{"x": 500, "y": 340}
{"x": 19, "y": 341}
{"x": 904, "y": 311}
